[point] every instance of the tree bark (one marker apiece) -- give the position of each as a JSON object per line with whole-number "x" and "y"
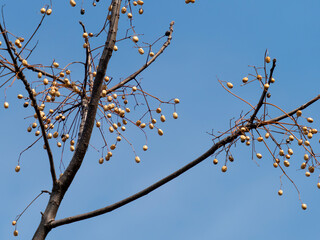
{"x": 60, "y": 188}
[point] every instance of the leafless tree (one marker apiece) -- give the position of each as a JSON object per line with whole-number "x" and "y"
{"x": 99, "y": 100}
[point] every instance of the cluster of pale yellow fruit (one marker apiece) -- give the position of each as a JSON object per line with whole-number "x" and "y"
{"x": 109, "y": 106}
{"x": 307, "y": 131}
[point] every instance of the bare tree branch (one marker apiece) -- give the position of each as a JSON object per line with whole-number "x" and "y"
{"x": 35, "y": 105}
{"x": 132, "y": 76}
{"x": 177, "y": 173}
{"x": 264, "y": 93}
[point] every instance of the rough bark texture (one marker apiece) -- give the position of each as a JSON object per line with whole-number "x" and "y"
{"x": 60, "y": 188}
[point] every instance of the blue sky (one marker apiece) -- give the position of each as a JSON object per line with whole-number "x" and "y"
{"x": 212, "y": 39}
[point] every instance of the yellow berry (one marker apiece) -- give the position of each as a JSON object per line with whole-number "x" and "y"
{"x": 260, "y": 139}
{"x": 310, "y": 120}
{"x": 281, "y": 152}
{"x": 308, "y": 174}
{"x": 137, "y": 159}
{"x": 280, "y": 192}
{"x": 230, "y": 85}
{"x": 259, "y": 77}
{"x": 14, "y": 223}
{"x": 42, "y": 10}
{"x": 24, "y": 62}
{"x": 224, "y": 168}
{"x": 286, "y": 163}
{"x": 17, "y": 169}
{"x": 17, "y": 42}
{"x": 175, "y": 115}
{"x": 299, "y": 113}
{"x": 100, "y": 160}
{"x": 267, "y": 59}
{"x": 215, "y": 161}
{"x": 275, "y": 165}
{"x": 123, "y": 10}
{"x": 151, "y": 54}
{"x": 245, "y": 79}
{"x": 73, "y": 3}
{"x": 115, "y": 48}
{"x": 71, "y": 148}
{"x": 49, "y": 11}
{"x": 98, "y": 124}
{"x": 176, "y": 100}
{"x": 304, "y": 206}
{"x": 145, "y": 147}
{"x": 163, "y": 118}
{"x": 259, "y": 155}
{"x": 141, "y": 51}
{"x": 318, "y": 185}
{"x": 129, "y": 15}
{"x": 15, "y": 233}
{"x": 303, "y": 165}
{"x": 135, "y": 39}
{"x": 160, "y": 132}
{"x": 266, "y": 86}
{"x": 6, "y": 105}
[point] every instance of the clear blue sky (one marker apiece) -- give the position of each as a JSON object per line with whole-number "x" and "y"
{"x": 212, "y": 39}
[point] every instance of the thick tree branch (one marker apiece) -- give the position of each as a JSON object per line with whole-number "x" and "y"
{"x": 66, "y": 179}
{"x": 177, "y": 173}
{"x": 304, "y": 106}
{"x": 84, "y": 139}
{"x": 264, "y": 93}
